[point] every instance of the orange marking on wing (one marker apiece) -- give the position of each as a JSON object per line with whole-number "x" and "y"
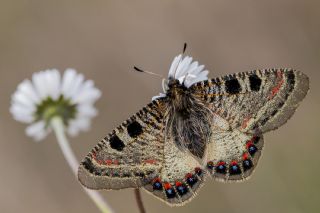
{"x": 94, "y": 155}
{"x": 150, "y": 161}
{"x": 245, "y": 122}
{"x": 108, "y": 162}
{"x": 276, "y": 89}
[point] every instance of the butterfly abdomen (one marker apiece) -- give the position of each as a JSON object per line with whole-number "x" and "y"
{"x": 189, "y": 122}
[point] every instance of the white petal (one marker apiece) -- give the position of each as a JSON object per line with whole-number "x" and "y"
{"x": 79, "y": 124}
{"x": 161, "y": 95}
{"x": 67, "y": 82}
{"x": 174, "y": 66}
{"x": 86, "y": 110}
{"x": 37, "y": 130}
{"x": 52, "y": 80}
{"x": 39, "y": 83}
{"x": 197, "y": 70}
{"x": 87, "y": 93}
{"x": 75, "y": 85}
{"x": 192, "y": 67}
{"x": 183, "y": 66}
{"x": 20, "y": 113}
{"x": 200, "y": 77}
{"x": 21, "y": 99}
{"x": 28, "y": 89}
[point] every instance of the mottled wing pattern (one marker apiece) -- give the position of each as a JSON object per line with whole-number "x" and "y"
{"x": 255, "y": 101}
{"x": 138, "y": 154}
{"x": 180, "y": 178}
{"x": 131, "y": 155}
{"x": 233, "y": 155}
{"x": 247, "y": 104}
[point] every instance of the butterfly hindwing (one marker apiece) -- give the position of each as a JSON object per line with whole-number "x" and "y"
{"x": 232, "y": 154}
{"x": 180, "y": 178}
{"x": 130, "y": 156}
{"x": 259, "y": 100}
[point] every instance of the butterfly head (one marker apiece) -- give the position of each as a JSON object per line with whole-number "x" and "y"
{"x": 175, "y": 88}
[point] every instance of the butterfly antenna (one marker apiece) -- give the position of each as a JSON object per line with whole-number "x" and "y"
{"x": 183, "y": 52}
{"x": 144, "y": 71}
{"x": 184, "y": 47}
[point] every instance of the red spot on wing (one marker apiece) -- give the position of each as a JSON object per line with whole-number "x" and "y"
{"x": 93, "y": 155}
{"x": 178, "y": 183}
{"x": 245, "y": 122}
{"x": 276, "y": 89}
{"x": 189, "y": 175}
{"x": 108, "y": 162}
{"x": 167, "y": 186}
{"x": 249, "y": 143}
{"x": 245, "y": 156}
{"x": 233, "y": 163}
{"x": 156, "y": 180}
{"x": 150, "y": 161}
{"x": 221, "y": 163}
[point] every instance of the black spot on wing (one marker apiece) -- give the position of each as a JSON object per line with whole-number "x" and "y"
{"x": 116, "y": 143}
{"x": 88, "y": 165}
{"x": 291, "y": 80}
{"x": 134, "y": 129}
{"x": 247, "y": 164}
{"x": 255, "y": 82}
{"x": 232, "y": 86}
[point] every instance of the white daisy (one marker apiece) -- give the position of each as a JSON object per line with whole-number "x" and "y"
{"x": 49, "y": 95}
{"x": 184, "y": 70}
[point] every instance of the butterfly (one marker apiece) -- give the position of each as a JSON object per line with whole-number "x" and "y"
{"x": 197, "y": 128}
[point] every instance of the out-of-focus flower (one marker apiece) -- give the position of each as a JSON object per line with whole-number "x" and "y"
{"x": 48, "y": 95}
{"x": 49, "y": 102}
{"x": 186, "y": 71}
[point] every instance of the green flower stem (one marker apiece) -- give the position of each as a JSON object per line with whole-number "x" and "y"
{"x": 58, "y": 127}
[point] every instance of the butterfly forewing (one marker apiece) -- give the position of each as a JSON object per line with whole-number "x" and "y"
{"x": 259, "y": 100}
{"x": 130, "y": 155}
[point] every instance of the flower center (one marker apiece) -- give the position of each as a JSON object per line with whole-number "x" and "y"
{"x": 50, "y": 108}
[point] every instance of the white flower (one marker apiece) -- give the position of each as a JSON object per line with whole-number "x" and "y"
{"x": 48, "y": 95}
{"x": 186, "y": 71}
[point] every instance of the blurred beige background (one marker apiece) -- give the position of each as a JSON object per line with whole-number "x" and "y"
{"x": 104, "y": 39}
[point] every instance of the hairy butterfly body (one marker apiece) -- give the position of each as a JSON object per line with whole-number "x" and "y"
{"x": 197, "y": 128}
